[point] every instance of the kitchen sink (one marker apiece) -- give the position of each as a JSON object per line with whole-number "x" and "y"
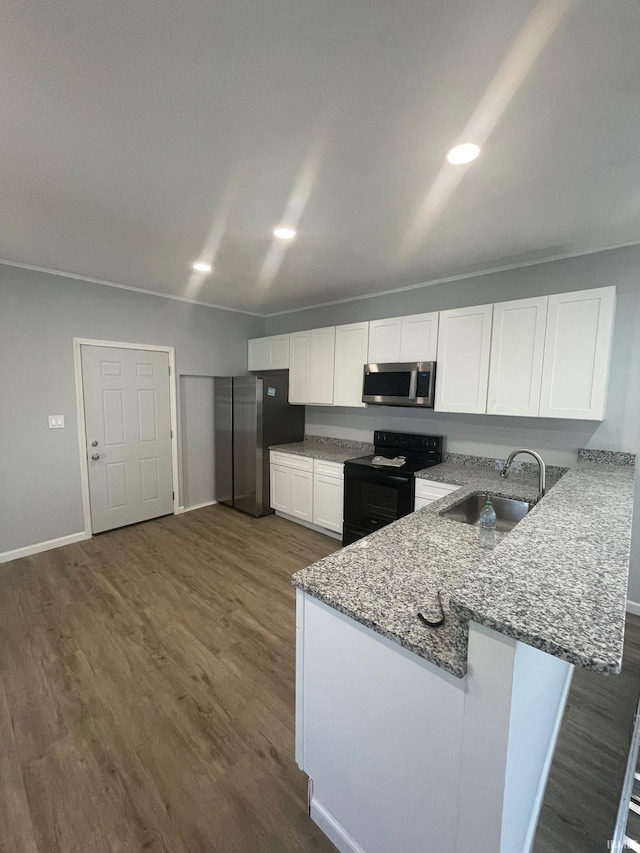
{"x": 508, "y": 512}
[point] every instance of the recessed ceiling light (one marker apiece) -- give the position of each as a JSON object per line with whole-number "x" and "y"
{"x": 284, "y": 233}
{"x": 461, "y": 154}
{"x": 200, "y": 266}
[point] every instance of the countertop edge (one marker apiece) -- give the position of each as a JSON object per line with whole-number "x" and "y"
{"x": 420, "y": 651}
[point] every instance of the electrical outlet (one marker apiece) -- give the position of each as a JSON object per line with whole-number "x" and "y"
{"x": 56, "y": 421}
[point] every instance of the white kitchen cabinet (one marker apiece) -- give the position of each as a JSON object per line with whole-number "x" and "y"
{"x": 517, "y": 350}
{"x": 328, "y": 495}
{"x": 302, "y": 495}
{"x": 419, "y": 337}
{"x": 577, "y": 353}
{"x": 464, "y": 346}
{"x": 321, "y": 366}
{"x": 299, "y": 363}
{"x": 271, "y": 353}
{"x": 291, "y": 479}
{"x": 428, "y": 491}
{"x": 352, "y": 343}
{"x": 384, "y": 340}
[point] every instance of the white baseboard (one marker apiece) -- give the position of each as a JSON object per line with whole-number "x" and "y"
{"x": 28, "y": 550}
{"x": 333, "y": 830}
{"x": 197, "y": 506}
{"x": 633, "y": 607}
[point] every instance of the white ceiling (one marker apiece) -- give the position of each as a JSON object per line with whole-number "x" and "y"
{"x": 139, "y": 136}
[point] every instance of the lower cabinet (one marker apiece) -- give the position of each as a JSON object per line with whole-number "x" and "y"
{"x": 328, "y": 495}
{"x": 428, "y": 491}
{"x": 310, "y": 490}
{"x": 292, "y": 485}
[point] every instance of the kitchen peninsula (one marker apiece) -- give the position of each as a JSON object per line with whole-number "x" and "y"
{"x": 418, "y": 738}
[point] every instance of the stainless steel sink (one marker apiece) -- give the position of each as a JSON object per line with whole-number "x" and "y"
{"x": 509, "y": 512}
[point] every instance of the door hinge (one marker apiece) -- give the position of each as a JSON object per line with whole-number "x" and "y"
{"x": 169, "y": 370}
{"x": 173, "y": 496}
{"x": 171, "y": 432}
{"x": 309, "y": 794}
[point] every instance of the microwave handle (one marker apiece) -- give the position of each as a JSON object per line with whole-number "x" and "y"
{"x": 413, "y": 384}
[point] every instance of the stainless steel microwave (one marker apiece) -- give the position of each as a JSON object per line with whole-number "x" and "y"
{"x": 402, "y": 384}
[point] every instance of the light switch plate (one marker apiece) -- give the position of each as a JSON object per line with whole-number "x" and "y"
{"x": 56, "y": 421}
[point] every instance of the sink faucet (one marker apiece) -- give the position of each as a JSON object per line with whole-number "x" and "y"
{"x": 542, "y": 481}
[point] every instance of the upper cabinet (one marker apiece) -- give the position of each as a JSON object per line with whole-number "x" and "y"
{"x": 412, "y": 338}
{"x": 299, "y": 363}
{"x": 517, "y": 350}
{"x": 352, "y": 343}
{"x": 462, "y": 373}
{"x": 576, "y": 354}
{"x": 321, "y": 366}
{"x": 419, "y": 337}
{"x": 546, "y": 356}
{"x": 270, "y": 353}
{"x": 312, "y": 357}
{"x": 384, "y": 340}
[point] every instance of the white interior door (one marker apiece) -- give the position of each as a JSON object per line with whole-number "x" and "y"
{"x": 128, "y": 428}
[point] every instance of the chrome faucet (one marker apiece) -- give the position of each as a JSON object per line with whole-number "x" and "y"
{"x": 542, "y": 481}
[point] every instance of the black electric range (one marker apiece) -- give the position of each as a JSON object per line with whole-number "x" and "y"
{"x": 375, "y": 493}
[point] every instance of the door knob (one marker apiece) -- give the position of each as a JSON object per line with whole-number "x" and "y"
{"x": 95, "y": 456}
{"x": 94, "y": 444}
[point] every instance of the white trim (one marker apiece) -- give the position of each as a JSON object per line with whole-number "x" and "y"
{"x": 38, "y": 547}
{"x": 633, "y": 607}
{"x": 429, "y": 283}
{"x": 82, "y": 433}
{"x": 460, "y": 277}
{"x": 144, "y": 290}
{"x": 544, "y": 776}
{"x": 198, "y": 506}
{"x": 334, "y": 831}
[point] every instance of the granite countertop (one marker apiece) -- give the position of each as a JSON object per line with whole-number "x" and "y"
{"x": 558, "y": 581}
{"x": 327, "y": 449}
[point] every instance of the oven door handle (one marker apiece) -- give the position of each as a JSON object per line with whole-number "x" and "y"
{"x": 413, "y": 384}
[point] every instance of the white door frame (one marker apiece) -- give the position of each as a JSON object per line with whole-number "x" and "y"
{"x": 82, "y": 431}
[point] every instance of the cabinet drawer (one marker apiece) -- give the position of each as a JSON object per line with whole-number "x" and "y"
{"x": 288, "y": 460}
{"x": 328, "y": 469}
{"x": 433, "y": 491}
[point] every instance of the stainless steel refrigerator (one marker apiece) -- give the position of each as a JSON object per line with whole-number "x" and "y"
{"x": 250, "y": 414}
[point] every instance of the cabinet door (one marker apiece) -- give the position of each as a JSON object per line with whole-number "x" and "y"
{"x": 299, "y": 355}
{"x": 328, "y": 496}
{"x": 280, "y": 488}
{"x": 278, "y": 352}
{"x": 384, "y": 340}
{"x": 422, "y": 502}
{"x": 302, "y": 495}
{"x": 419, "y": 337}
{"x": 321, "y": 366}
{"x": 517, "y": 349}
{"x": 259, "y": 354}
{"x": 576, "y": 354}
{"x": 352, "y": 343}
{"x": 464, "y": 343}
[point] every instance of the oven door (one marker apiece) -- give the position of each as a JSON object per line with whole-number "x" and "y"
{"x": 373, "y": 499}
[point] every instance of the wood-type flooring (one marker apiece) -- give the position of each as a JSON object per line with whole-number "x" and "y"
{"x": 147, "y": 699}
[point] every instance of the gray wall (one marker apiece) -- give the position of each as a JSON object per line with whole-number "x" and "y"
{"x": 196, "y": 440}
{"x": 558, "y": 440}
{"x": 40, "y": 314}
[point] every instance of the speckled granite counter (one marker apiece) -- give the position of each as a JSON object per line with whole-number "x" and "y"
{"x": 327, "y": 449}
{"x": 558, "y": 581}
